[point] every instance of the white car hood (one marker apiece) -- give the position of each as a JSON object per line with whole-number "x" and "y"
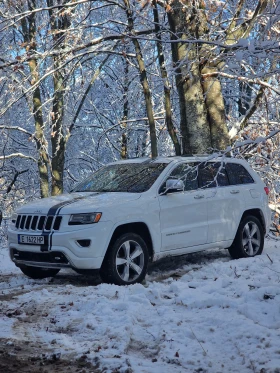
{"x": 77, "y": 202}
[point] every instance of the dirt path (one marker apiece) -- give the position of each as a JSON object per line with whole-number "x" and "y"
{"x": 27, "y": 355}
{"x": 29, "y": 358}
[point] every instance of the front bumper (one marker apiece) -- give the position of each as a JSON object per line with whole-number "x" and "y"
{"x": 55, "y": 259}
{"x": 64, "y": 250}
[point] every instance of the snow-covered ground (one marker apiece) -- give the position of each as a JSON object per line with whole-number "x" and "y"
{"x": 198, "y": 313}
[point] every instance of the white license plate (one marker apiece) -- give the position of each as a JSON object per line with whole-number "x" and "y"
{"x": 30, "y": 240}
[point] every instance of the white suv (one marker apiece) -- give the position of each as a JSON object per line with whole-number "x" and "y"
{"x": 131, "y": 212}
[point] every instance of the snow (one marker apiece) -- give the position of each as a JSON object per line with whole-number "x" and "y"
{"x": 204, "y": 313}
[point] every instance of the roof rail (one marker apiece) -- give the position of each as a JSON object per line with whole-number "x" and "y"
{"x": 195, "y": 155}
{"x": 205, "y": 155}
{"x": 188, "y": 155}
{"x": 227, "y": 155}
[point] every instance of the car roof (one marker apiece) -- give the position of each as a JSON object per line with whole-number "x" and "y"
{"x": 183, "y": 158}
{"x": 145, "y": 160}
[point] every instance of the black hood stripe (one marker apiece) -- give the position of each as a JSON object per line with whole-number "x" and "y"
{"x": 55, "y": 210}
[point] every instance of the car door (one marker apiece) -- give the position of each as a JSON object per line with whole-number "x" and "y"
{"x": 183, "y": 214}
{"x": 242, "y": 184}
{"x": 225, "y": 205}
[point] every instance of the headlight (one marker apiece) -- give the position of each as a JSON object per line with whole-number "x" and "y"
{"x": 90, "y": 218}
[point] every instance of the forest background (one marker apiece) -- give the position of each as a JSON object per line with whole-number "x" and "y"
{"x": 84, "y": 83}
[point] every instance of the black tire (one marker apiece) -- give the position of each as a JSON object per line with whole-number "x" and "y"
{"x": 38, "y": 272}
{"x": 126, "y": 260}
{"x": 246, "y": 244}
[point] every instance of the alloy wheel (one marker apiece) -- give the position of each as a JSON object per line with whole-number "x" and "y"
{"x": 251, "y": 238}
{"x": 129, "y": 261}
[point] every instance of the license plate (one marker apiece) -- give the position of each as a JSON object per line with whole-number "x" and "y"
{"x": 30, "y": 240}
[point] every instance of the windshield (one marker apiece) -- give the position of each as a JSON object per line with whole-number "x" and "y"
{"x": 125, "y": 177}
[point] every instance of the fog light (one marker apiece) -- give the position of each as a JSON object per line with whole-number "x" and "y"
{"x": 84, "y": 243}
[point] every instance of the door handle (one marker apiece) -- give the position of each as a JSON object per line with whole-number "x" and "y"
{"x": 199, "y": 196}
{"x": 235, "y": 191}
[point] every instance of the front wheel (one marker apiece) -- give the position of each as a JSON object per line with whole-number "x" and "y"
{"x": 38, "y": 272}
{"x": 126, "y": 260}
{"x": 249, "y": 239}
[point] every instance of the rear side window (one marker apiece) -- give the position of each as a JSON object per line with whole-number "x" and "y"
{"x": 237, "y": 174}
{"x": 212, "y": 174}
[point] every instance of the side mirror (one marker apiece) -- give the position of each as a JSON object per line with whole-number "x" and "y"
{"x": 174, "y": 185}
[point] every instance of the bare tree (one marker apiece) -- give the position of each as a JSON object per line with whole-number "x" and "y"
{"x": 95, "y": 76}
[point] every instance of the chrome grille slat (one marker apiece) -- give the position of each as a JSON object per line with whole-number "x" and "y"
{"x": 38, "y": 223}
{"x": 41, "y": 222}
{"x": 34, "y": 222}
{"x": 18, "y": 221}
{"x": 28, "y": 221}
{"x": 22, "y": 221}
{"x": 49, "y": 223}
{"x": 56, "y": 223}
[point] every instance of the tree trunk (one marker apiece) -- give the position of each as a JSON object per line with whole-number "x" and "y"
{"x": 29, "y": 34}
{"x": 41, "y": 143}
{"x": 58, "y": 23}
{"x": 245, "y": 96}
{"x": 57, "y": 136}
{"x": 167, "y": 99}
{"x": 144, "y": 81}
{"x": 125, "y": 113}
{"x": 216, "y": 110}
{"x": 188, "y": 22}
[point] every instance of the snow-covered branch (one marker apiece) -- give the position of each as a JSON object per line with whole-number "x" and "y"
{"x": 239, "y": 78}
{"x": 15, "y": 155}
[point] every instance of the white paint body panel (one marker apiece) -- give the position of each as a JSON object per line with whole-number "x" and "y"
{"x": 224, "y": 213}
{"x": 183, "y": 220}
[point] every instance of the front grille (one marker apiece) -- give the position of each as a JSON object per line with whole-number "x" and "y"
{"x": 38, "y": 223}
{"x": 52, "y": 257}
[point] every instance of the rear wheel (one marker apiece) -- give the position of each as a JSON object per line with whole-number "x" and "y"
{"x": 38, "y": 272}
{"x": 249, "y": 239}
{"x": 126, "y": 260}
